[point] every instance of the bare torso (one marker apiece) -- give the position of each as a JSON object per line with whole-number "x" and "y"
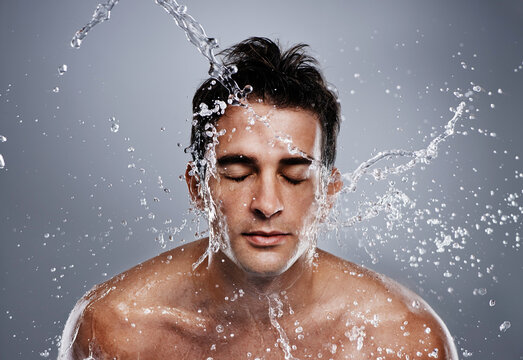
{"x": 162, "y": 309}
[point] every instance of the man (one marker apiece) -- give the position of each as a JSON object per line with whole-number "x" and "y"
{"x": 258, "y": 288}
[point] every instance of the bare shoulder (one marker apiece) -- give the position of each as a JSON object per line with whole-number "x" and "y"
{"x": 389, "y": 319}
{"x": 113, "y": 319}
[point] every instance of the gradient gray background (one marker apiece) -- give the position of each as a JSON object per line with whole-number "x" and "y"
{"x": 67, "y": 175}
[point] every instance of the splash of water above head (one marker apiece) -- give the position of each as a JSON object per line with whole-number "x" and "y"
{"x": 195, "y": 34}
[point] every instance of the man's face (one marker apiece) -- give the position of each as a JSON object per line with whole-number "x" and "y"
{"x": 265, "y": 193}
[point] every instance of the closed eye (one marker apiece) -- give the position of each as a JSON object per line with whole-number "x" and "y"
{"x": 236, "y": 178}
{"x": 293, "y": 181}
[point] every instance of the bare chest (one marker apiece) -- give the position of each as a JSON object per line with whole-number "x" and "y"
{"x": 223, "y": 340}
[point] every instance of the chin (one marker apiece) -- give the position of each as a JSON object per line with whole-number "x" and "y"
{"x": 266, "y": 266}
{"x": 264, "y": 263}
{"x": 264, "y": 271}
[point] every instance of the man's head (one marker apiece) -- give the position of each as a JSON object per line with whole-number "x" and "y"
{"x": 286, "y": 79}
{"x": 267, "y": 190}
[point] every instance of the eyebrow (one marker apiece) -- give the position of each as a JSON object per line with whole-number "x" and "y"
{"x": 296, "y": 161}
{"x": 247, "y": 160}
{"x": 235, "y": 159}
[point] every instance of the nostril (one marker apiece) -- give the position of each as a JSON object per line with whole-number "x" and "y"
{"x": 260, "y": 213}
{"x": 266, "y": 214}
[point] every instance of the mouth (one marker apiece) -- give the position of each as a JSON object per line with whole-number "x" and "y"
{"x": 266, "y": 238}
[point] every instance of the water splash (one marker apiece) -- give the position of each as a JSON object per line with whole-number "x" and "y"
{"x": 276, "y": 312}
{"x": 101, "y": 14}
{"x": 423, "y": 156}
{"x": 193, "y": 31}
{"x": 392, "y": 202}
{"x": 206, "y": 45}
{"x": 217, "y": 224}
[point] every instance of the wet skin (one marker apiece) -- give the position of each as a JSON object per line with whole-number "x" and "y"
{"x": 162, "y": 309}
{"x": 265, "y": 193}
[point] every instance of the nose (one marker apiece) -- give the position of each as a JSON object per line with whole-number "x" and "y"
{"x": 266, "y": 202}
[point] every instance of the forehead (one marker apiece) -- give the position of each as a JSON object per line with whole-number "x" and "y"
{"x": 263, "y": 128}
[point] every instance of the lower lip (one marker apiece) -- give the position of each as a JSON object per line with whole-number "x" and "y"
{"x": 263, "y": 241}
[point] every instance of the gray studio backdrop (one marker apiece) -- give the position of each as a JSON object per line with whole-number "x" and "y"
{"x": 80, "y": 203}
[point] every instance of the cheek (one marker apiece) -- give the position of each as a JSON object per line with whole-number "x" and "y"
{"x": 301, "y": 199}
{"x": 230, "y": 197}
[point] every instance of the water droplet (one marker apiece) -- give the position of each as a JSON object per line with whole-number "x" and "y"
{"x": 45, "y": 354}
{"x": 114, "y": 124}
{"x": 56, "y": 89}
{"x": 219, "y": 329}
{"x": 504, "y": 326}
{"x": 477, "y": 88}
{"x": 62, "y": 69}
{"x": 481, "y": 291}
{"x": 2, "y": 162}
{"x": 247, "y": 90}
{"x": 492, "y": 302}
{"x": 130, "y": 149}
{"x": 2, "y": 139}
{"x": 76, "y": 42}
{"x": 492, "y": 106}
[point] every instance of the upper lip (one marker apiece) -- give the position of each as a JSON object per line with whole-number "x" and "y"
{"x": 265, "y": 233}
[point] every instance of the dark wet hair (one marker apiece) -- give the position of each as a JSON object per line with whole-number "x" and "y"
{"x": 285, "y": 78}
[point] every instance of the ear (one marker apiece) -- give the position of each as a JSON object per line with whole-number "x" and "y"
{"x": 334, "y": 186}
{"x": 193, "y": 185}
